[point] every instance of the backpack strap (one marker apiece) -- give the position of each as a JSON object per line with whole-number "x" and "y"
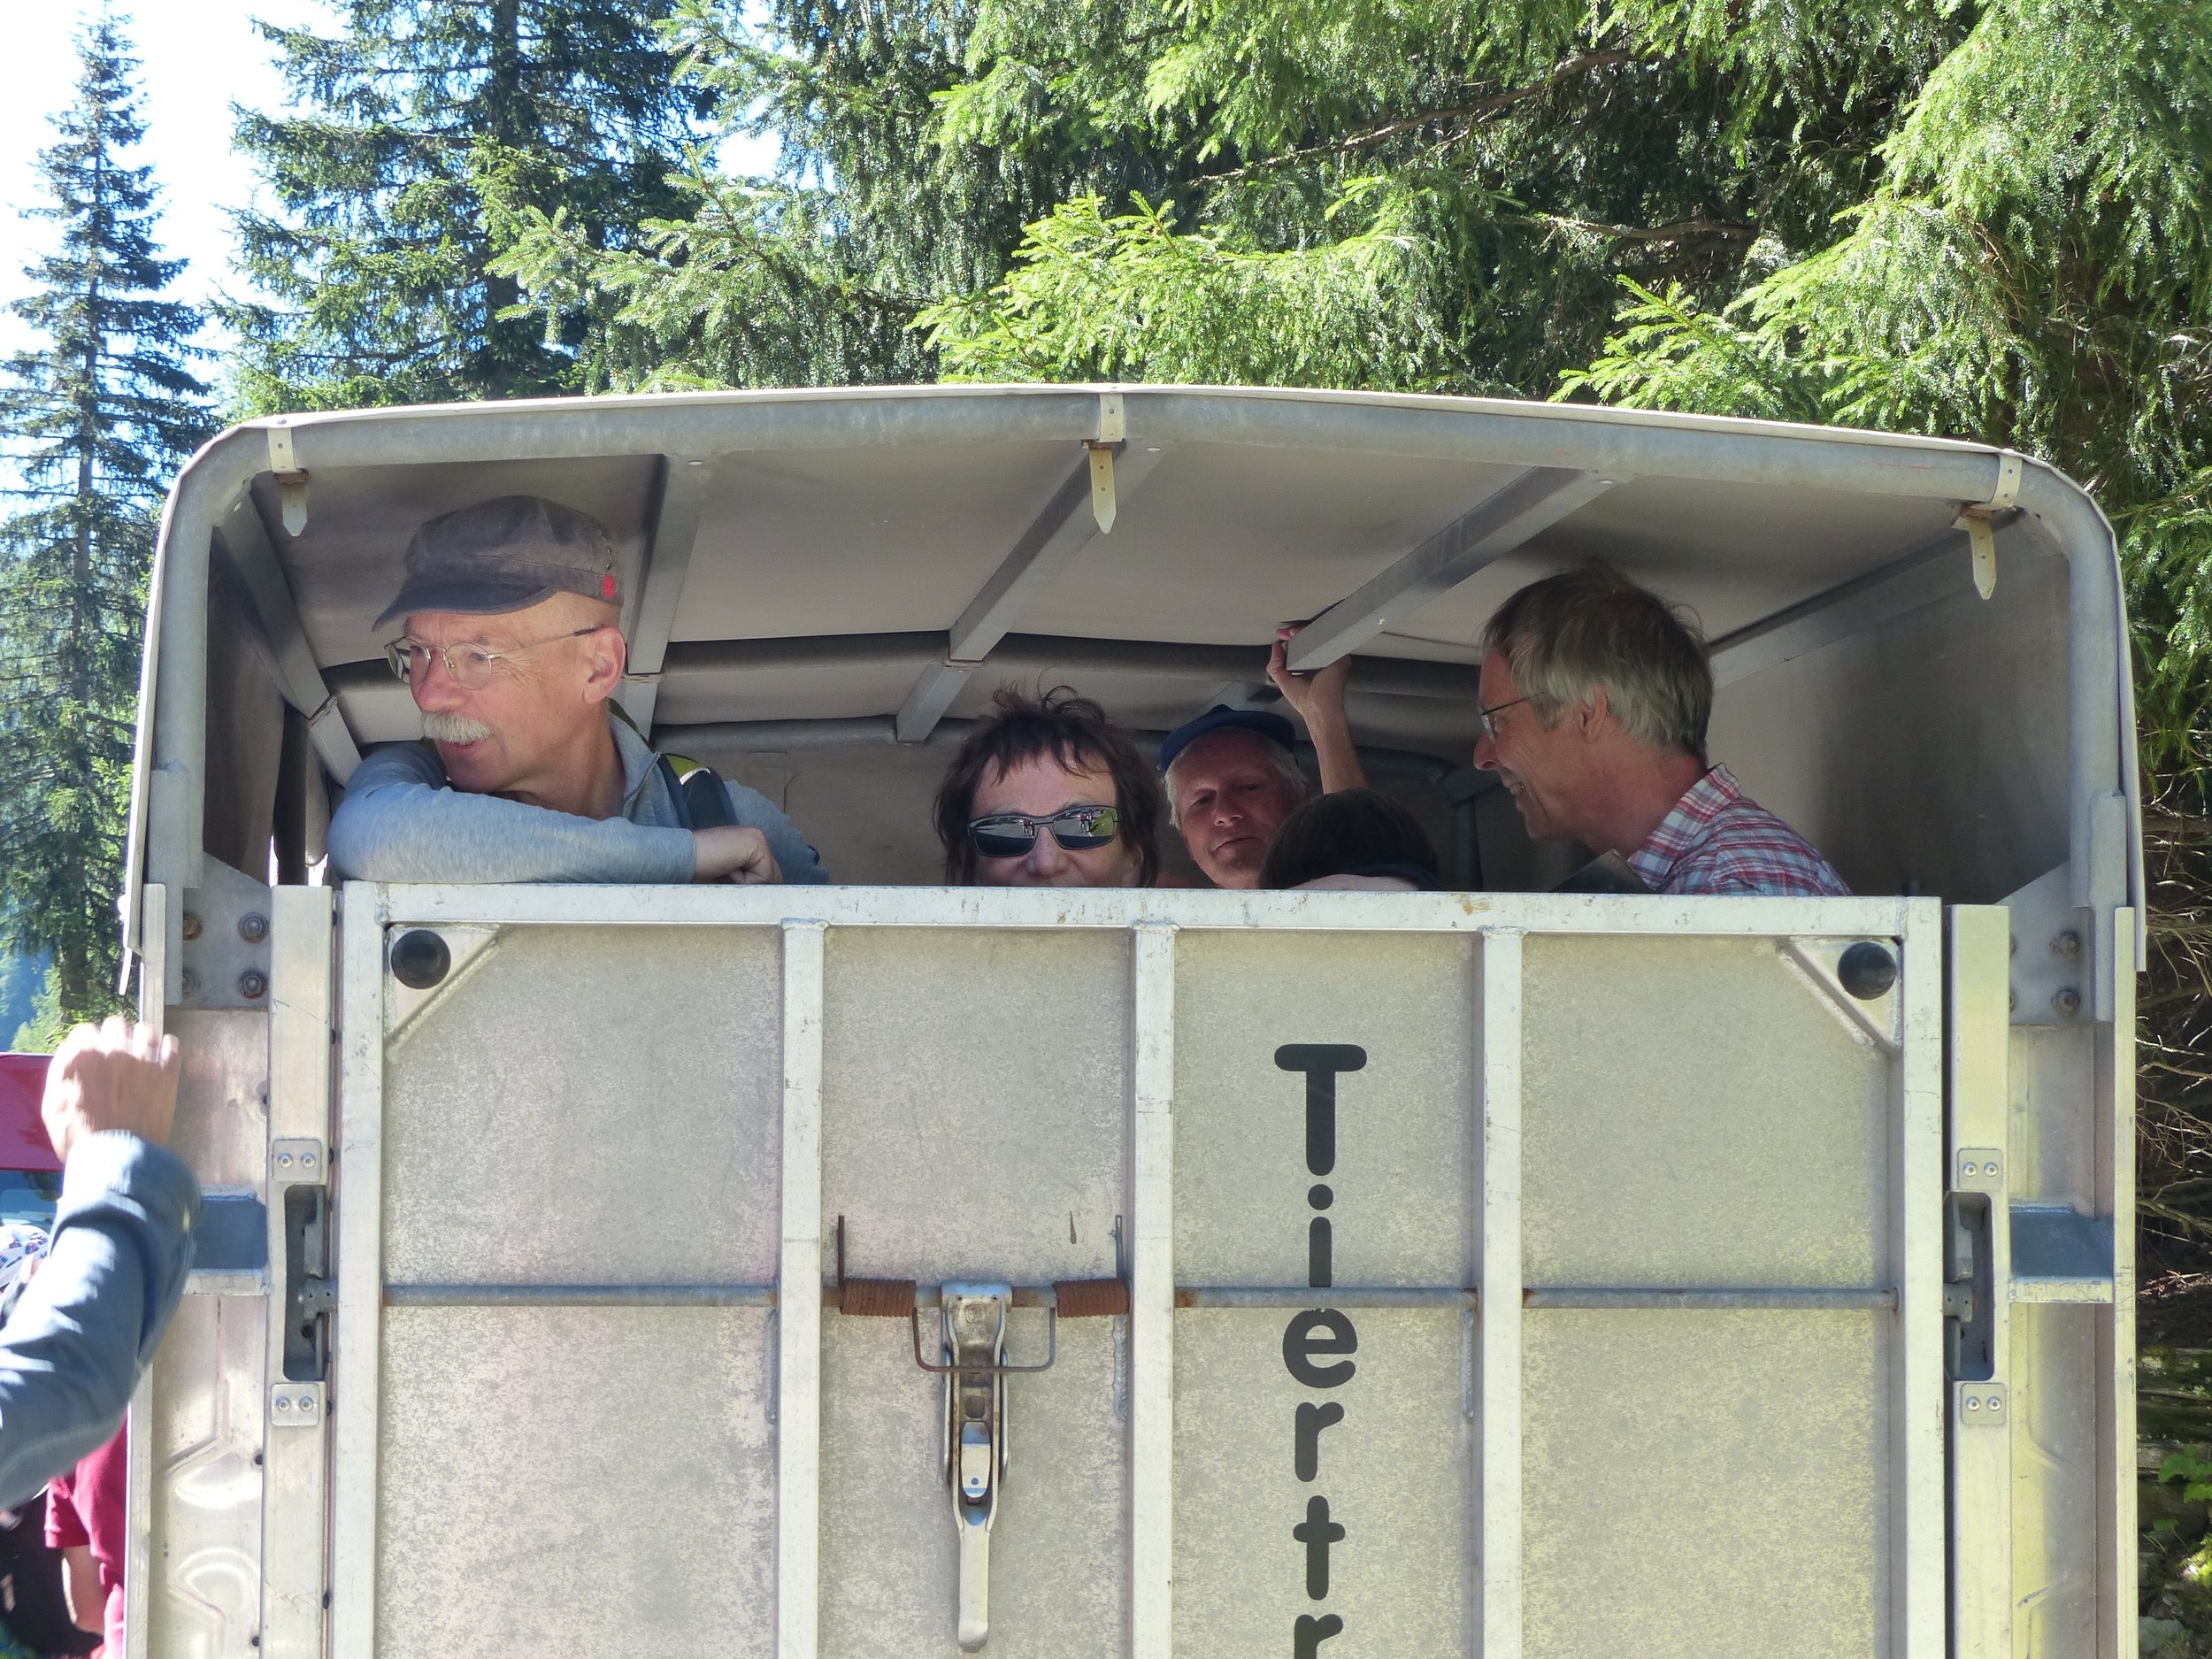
{"x": 697, "y": 791}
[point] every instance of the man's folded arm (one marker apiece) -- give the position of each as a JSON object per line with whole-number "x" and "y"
{"x": 801, "y": 864}
{"x": 400, "y": 822}
{"x": 87, "y": 1322}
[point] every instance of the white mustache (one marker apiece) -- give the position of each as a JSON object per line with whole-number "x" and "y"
{"x": 441, "y": 728}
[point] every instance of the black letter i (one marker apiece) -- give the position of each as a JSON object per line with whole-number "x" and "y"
{"x": 1317, "y": 1239}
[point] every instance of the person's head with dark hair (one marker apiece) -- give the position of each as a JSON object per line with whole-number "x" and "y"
{"x": 1046, "y": 791}
{"x": 1357, "y": 833}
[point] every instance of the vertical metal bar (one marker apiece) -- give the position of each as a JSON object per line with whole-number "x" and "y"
{"x": 1500, "y": 1281}
{"x": 155, "y": 972}
{"x": 293, "y": 1565}
{"x": 799, "y": 1301}
{"x": 1919, "y": 1533}
{"x": 1152, "y": 1296}
{"x": 2117, "y": 1632}
{"x": 1981, "y": 1444}
{"x": 355, "y": 1394}
{"x": 138, "y": 1561}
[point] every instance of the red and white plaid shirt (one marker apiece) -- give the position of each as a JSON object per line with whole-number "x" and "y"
{"x": 1719, "y": 839}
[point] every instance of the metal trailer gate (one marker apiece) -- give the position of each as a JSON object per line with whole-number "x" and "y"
{"x": 1502, "y": 1275}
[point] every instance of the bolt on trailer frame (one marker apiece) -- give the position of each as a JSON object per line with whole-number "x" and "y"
{"x": 1485, "y": 1271}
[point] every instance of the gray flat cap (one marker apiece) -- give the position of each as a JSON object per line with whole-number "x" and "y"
{"x": 504, "y": 555}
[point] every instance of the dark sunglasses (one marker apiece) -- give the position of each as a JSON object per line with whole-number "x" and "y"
{"x": 1077, "y": 828}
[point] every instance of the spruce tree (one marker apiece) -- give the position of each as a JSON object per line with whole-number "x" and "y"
{"x": 97, "y": 421}
{"x": 418, "y": 122}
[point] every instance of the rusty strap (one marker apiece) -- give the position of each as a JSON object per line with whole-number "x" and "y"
{"x": 879, "y": 1298}
{"x": 1090, "y": 1298}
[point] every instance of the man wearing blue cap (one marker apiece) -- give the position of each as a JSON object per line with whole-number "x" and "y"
{"x": 1232, "y": 774}
{"x": 513, "y": 655}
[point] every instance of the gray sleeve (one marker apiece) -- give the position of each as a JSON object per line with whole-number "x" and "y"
{"x": 401, "y": 822}
{"x": 801, "y": 864}
{"x": 73, "y": 1348}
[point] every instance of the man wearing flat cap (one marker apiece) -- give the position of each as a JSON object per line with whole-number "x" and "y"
{"x": 513, "y": 654}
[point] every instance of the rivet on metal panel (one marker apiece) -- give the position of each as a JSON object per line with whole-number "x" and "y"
{"x": 2067, "y": 945}
{"x": 296, "y": 1405}
{"x": 191, "y": 926}
{"x": 253, "y": 985}
{"x": 1979, "y": 1168}
{"x": 2066, "y": 1002}
{"x": 253, "y": 927}
{"x": 1978, "y": 1404}
{"x": 298, "y": 1161}
{"x": 190, "y": 982}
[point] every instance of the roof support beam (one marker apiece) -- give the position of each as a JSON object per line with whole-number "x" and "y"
{"x": 1050, "y": 543}
{"x": 1927, "y": 574}
{"x": 650, "y": 612}
{"x": 245, "y": 541}
{"x": 1529, "y": 503}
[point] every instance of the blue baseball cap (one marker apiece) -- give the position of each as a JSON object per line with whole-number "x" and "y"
{"x": 1221, "y": 718}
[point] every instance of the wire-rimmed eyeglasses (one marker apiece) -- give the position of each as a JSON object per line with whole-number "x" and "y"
{"x": 467, "y": 666}
{"x": 1490, "y": 727}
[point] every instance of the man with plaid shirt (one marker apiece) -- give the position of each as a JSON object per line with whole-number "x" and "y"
{"x": 1596, "y": 694}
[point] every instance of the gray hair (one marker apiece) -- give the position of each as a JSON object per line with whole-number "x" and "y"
{"x": 1568, "y": 637}
{"x": 1285, "y": 762}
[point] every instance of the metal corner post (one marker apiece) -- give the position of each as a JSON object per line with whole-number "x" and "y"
{"x": 1979, "y": 1165}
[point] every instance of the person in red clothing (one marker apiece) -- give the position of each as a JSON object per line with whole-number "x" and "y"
{"x": 86, "y": 1520}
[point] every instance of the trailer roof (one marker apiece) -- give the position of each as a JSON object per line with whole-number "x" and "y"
{"x": 887, "y": 556}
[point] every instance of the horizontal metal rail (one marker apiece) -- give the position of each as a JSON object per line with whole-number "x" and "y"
{"x": 1330, "y": 1297}
{"x": 1557, "y": 1299}
{"x": 1593, "y": 1300}
{"x": 580, "y": 1295}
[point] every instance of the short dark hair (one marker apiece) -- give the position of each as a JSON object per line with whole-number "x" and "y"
{"x": 1343, "y": 834}
{"x": 1076, "y": 734}
{"x": 1568, "y": 637}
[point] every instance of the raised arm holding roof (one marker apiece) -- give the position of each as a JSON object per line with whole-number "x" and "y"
{"x": 1318, "y": 697}
{"x": 513, "y": 655}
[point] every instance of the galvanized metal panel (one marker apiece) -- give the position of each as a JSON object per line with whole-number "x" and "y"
{"x": 954, "y": 1153}
{"x": 1650, "y": 1160}
{"x": 575, "y": 1480}
{"x": 1394, "y": 1473}
{"x": 581, "y": 1109}
{"x": 1706, "y": 1484}
{"x": 992, "y": 1097}
{"x": 200, "y": 1425}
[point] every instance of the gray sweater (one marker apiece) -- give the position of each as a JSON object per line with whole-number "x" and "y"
{"x": 402, "y": 821}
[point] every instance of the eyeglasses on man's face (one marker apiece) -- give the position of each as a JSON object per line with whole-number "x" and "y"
{"x": 1489, "y": 726}
{"x": 1076, "y": 829}
{"x": 467, "y": 666}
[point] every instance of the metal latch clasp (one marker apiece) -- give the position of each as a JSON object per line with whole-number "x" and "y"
{"x": 973, "y": 1345}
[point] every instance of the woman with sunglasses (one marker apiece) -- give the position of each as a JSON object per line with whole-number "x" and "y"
{"x": 1046, "y": 792}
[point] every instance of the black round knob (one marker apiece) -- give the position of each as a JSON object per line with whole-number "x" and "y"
{"x": 1868, "y": 969}
{"x": 420, "y": 959}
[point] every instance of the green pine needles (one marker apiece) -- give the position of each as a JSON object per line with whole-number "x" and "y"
{"x": 97, "y": 419}
{"x": 423, "y": 126}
